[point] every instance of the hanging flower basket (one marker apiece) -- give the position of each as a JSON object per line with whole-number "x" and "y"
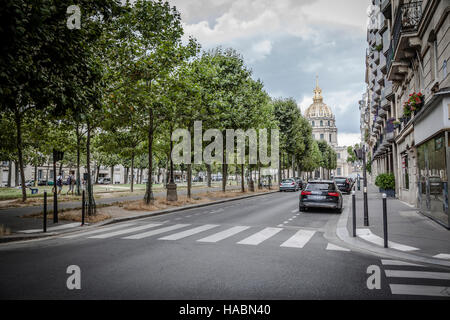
{"x": 414, "y": 104}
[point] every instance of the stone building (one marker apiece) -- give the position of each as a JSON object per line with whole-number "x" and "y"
{"x": 323, "y": 124}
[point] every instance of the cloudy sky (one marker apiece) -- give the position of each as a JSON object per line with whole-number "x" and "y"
{"x": 288, "y": 42}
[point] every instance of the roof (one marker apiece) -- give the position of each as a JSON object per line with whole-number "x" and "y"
{"x": 318, "y": 109}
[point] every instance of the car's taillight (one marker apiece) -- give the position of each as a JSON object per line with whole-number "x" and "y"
{"x": 333, "y": 194}
{"x": 293, "y": 184}
{"x": 306, "y": 193}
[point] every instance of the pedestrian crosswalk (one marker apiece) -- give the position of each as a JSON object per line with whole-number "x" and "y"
{"x": 411, "y": 279}
{"x": 207, "y": 233}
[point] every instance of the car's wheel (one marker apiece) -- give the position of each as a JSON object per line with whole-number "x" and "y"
{"x": 301, "y": 209}
{"x": 340, "y": 210}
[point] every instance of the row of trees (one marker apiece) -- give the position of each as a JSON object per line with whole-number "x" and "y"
{"x": 113, "y": 91}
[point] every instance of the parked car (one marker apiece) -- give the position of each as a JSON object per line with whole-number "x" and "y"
{"x": 344, "y": 184}
{"x": 288, "y": 185}
{"x": 299, "y": 182}
{"x": 321, "y": 194}
{"x": 45, "y": 183}
{"x": 104, "y": 180}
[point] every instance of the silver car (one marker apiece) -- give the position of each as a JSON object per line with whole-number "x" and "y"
{"x": 289, "y": 185}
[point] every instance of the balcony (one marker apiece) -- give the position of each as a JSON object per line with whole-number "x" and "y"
{"x": 376, "y": 57}
{"x": 383, "y": 63}
{"x": 380, "y": 78}
{"x": 377, "y": 90}
{"x": 388, "y": 90}
{"x": 382, "y": 113}
{"x": 386, "y": 8}
{"x": 389, "y": 129}
{"x": 405, "y": 39}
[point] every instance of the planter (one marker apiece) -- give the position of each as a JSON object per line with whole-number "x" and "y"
{"x": 389, "y": 192}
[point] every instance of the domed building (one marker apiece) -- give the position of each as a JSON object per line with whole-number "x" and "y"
{"x": 324, "y": 127}
{"x": 322, "y": 119}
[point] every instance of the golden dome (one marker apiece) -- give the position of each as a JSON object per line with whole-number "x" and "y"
{"x": 318, "y": 109}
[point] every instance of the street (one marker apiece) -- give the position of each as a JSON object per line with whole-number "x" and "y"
{"x": 256, "y": 248}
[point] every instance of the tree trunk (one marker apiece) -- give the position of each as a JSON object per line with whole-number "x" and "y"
{"x": 35, "y": 175}
{"x": 279, "y": 170}
{"x": 112, "y": 174}
{"x": 259, "y": 175}
{"x": 242, "y": 178}
{"x": 78, "y": 134}
{"x": 16, "y": 174}
{"x": 208, "y": 175}
{"x": 189, "y": 180}
{"x": 91, "y": 209}
{"x": 9, "y": 174}
{"x": 97, "y": 172}
{"x": 132, "y": 172}
{"x": 19, "y": 153}
{"x": 149, "y": 198}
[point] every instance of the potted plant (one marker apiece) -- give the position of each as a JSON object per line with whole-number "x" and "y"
{"x": 413, "y": 104}
{"x": 386, "y": 184}
{"x": 396, "y": 124}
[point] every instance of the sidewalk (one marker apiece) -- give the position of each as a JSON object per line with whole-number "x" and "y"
{"x": 409, "y": 232}
{"x": 12, "y": 218}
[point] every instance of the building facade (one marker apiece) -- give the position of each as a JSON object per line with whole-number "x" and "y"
{"x": 323, "y": 123}
{"x": 408, "y": 99}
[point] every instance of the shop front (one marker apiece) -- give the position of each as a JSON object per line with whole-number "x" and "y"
{"x": 432, "y": 134}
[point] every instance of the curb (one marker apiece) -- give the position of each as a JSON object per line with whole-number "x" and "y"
{"x": 20, "y": 237}
{"x": 356, "y": 243}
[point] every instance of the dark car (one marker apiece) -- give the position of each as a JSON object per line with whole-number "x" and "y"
{"x": 321, "y": 194}
{"x": 344, "y": 184}
{"x": 299, "y": 183}
{"x": 288, "y": 185}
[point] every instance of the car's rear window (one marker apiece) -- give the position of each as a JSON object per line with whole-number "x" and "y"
{"x": 287, "y": 181}
{"x": 320, "y": 186}
{"x": 340, "y": 180}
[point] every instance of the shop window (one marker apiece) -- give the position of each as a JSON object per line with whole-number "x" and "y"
{"x": 321, "y": 136}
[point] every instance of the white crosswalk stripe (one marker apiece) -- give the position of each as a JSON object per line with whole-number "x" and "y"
{"x": 82, "y": 234}
{"x": 124, "y": 231}
{"x": 261, "y": 236}
{"x": 299, "y": 240}
{"x": 190, "y": 232}
{"x": 224, "y": 234}
{"x": 155, "y": 232}
{"x": 424, "y": 280}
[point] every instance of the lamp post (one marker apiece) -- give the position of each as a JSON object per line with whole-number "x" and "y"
{"x": 366, "y": 211}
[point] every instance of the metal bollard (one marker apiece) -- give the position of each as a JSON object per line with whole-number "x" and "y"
{"x": 385, "y": 221}
{"x": 83, "y": 208}
{"x": 354, "y": 213}
{"x": 366, "y": 208}
{"x": 45, "y": 211}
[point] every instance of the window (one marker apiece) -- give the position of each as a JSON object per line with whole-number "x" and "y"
{"x": 330, "y": 137}
{"x": 329, "y": 123}
{"x": 338, "y": 155}
{"x": 321, "y": 123}
{"x": 321, "y": 136}
{"x": 339, "y": 171}
{"x": 313, "y": 124}
{"x": 405, "y": 171}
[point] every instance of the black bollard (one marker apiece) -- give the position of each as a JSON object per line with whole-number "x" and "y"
{"x": 354, "y": 213}
{"x": 55, "y": 207}
{"x": 385, "y": 221}
{"x": 45, "y": 211}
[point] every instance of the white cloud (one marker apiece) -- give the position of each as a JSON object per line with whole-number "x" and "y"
{"x": 349, "y": 139}
{"x": 260, "y": 50}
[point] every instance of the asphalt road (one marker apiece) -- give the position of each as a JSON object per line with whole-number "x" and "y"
{"x": 257, "y": 248}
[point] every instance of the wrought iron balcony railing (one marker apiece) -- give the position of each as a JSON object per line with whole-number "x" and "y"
{"x": 407, "y": 19}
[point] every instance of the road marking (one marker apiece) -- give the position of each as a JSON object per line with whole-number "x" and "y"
{"x": 224, "y": 234}
{"x": 442, "y": 256}
{"x": 294, "y": 211}
{"x": 190, "y": 232}
{"x": 61, "y": 227}
{"x": 417, "y": 274}
{"x": 334, "y": 247}
{"x": 120, "y": 232}
{"x": 261, "y": 236}
{"x": 299, "y": 239}
{"x": 188, "y": 216}
{"x": 155, "y": 232}
{"x": 295, "y": 217}
{"x": 286, "y": 222}
{"x": 98, "y": 231}
{"x": 406, "y": 289}
{"x": 280, "y": 225}
{"x": 367, "y": 235}
{"x": 398, "y": 263}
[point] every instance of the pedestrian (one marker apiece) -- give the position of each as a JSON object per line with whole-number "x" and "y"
{"x": 59, "y": 183}
{"x": 71, "y": 183}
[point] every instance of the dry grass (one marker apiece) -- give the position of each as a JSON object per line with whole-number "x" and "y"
{"x": 161, "y": 203}
{"x": 18, "y": 203}
{"x": 74, "y": 215}
{"x": 4, "y": 231}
